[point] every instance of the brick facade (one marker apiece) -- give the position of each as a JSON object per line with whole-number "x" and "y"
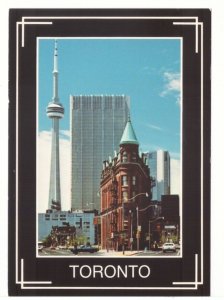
{"x": 125, "y": 191}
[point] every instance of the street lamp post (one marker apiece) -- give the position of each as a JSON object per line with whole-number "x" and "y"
{"x": 137, "y": 230}
{"x": 137, "y": 210}
{"x": 131, "y": 238}
{"x": 150, "y": 229}
{"x": 146, "y": 194}
{"x": 122, "y": 206}
{"x": 137, "y": 234}
{"x": 140, "y": 210}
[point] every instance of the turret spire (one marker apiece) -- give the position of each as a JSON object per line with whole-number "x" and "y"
{"x": 129, "y": 136}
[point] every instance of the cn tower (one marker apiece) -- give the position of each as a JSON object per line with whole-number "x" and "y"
{"x": 55, "y": 111}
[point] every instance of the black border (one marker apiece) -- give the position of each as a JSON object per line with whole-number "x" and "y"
{"x": 163, "y": 270}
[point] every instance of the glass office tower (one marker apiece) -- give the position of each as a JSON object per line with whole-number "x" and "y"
{"x": 159, "y": 164}
{"x": 97, "y": 124}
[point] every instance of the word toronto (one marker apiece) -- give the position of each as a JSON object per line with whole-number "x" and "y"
{"x": 110, "y": 271}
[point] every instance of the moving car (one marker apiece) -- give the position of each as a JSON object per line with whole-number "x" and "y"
{"x": 169, "y": 247}
{"x": 84, "y": 248}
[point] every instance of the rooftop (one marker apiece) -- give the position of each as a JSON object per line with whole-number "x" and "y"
{"x": 129, "y": 136}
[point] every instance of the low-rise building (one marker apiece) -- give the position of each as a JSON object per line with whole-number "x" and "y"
{"x": 125, "y": 196}
{"x": 83, "y": 221}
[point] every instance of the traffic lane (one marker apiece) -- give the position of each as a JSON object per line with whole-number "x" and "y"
{"x": 61, "y": 252}
{"x": 158, "y": 253}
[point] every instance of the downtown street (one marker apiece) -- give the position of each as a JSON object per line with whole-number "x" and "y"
{"x": 102, "y": 253}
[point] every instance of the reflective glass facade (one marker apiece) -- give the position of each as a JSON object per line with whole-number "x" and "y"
{"x": 97, "y": 124}
{"x": 159, "y": 164}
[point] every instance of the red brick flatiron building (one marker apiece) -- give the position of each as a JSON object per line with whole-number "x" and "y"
{"x": 125, "y": 196}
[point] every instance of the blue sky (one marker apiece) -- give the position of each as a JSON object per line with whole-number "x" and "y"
{"x": 148, "y": 70}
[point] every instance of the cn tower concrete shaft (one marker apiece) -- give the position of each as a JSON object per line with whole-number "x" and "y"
{"x": 55, "y": 111}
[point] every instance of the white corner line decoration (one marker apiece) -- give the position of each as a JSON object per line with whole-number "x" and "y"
{"x": 27, "y": 284}
{"x": 195, "y": 282}
{"x": 22, "y": 282}
{"x": 195, "y": 23}
{"x": 23, "y": 23}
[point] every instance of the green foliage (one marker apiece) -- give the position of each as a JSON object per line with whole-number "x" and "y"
{"x": 78, "y": 240}
{"x": 47, "y": 241}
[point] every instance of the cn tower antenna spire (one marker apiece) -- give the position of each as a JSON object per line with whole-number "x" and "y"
{"x": 55, "y": 111}
{"x": 55, "y": 74}
{"x": 55, "y": 56}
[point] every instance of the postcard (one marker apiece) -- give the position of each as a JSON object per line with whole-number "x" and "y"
{"x": 109, "y": 121}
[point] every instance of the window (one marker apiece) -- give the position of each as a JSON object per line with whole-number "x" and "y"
{"x": 124, "y": 156}
{"x": 124, "y": 180}
{"x": 133, "y": 180}
{"x": 125, "y": 196}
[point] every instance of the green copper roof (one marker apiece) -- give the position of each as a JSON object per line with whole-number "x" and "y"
{"x": 129, "y": 136}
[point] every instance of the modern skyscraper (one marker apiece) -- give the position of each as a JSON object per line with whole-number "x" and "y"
{"x": 159, "y": 164}
{"x": 97, "y": 124}
{"x": 55, "y": 112}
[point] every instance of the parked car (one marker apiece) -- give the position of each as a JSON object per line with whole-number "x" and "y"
{"x": 169, "y": 247}
{"x": 40, "y": 246}
{"x": 84, "y": 248}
